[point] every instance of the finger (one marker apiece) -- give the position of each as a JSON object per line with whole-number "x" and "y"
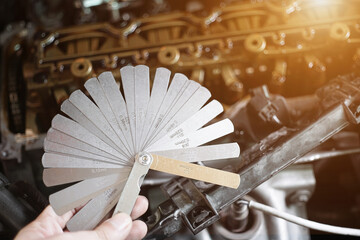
{"x": 138, "y": 230}
{"x": 116, "y": 228}
{"x": 62, "y": 220}
{"x": 49, "y": 213}
{"x": 49, "y": 217}
{"x": 47, "y": 224}
{"x": 140, "y": 207}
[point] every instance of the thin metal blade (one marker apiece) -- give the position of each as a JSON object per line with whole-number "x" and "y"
{"x": 158, "y": 92}
{"x": 204, "y": 153}
{"x": 117, "y": 104}
{"x": 128, "y": 82}
{"x": 188, "y": 92}
{"x": 56, "y": 136}
{"x": 197, "y": 100}
{"x": 199, "y": 119}
{"x": 176, "y": 85}
{"x": 72, "y": 111}
{"x": 80, "y": 193}
{"x": 52, "y": 147}
{"x": 58, "y": 176}
{"x": 52, "y": 160}
{"x": 142, "y": 93}
{"x": 209, "y": 133}
{"x": 95, "y": 210}
{"x": 99, "y": 96}
{"x": 92, "y": 112}
{"x": 184, "y": 94}
{"x": 199, "y": 137}
{"x": 75, "y": 130}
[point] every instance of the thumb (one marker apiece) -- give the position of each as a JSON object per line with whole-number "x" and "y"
{"x": 118, "y": 227}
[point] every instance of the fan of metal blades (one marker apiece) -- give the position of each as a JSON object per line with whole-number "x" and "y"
{"x": 107, "y": 143}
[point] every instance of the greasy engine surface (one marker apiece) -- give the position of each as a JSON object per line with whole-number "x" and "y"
{"x": 273, "y": 64}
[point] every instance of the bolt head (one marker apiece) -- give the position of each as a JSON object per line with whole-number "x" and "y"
{"x": 4, "y": 153}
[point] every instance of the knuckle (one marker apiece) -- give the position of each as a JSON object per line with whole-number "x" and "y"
{"x": 103, "y": 235}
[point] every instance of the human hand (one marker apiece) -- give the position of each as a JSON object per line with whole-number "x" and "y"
{"x": 50, "y": 226}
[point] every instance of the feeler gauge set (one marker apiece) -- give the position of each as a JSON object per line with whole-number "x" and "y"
{"x": 106, "y": 143}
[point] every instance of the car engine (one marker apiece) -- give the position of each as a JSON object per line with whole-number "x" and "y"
{"x": 286, "y": 72}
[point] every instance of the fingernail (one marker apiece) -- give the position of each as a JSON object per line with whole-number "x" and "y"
{"x": 120, "y": 221}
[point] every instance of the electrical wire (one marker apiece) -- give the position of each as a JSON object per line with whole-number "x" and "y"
{"x": 301, "y": 221}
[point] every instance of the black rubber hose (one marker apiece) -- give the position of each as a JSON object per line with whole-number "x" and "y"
{"x": 13, "y": 213}
{"x": 30, "y": 194}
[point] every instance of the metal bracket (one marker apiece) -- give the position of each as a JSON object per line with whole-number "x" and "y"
{"x": 262, "y": 167}
{"x": 353, "y": 117}
{"x": 184, "y": 192}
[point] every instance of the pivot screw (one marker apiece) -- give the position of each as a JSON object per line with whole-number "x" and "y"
{"x": 145, "y": 159}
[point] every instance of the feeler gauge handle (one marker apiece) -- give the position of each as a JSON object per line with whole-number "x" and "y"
{"x": 132, "y": 187}
{"x": 194, "y": 171}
